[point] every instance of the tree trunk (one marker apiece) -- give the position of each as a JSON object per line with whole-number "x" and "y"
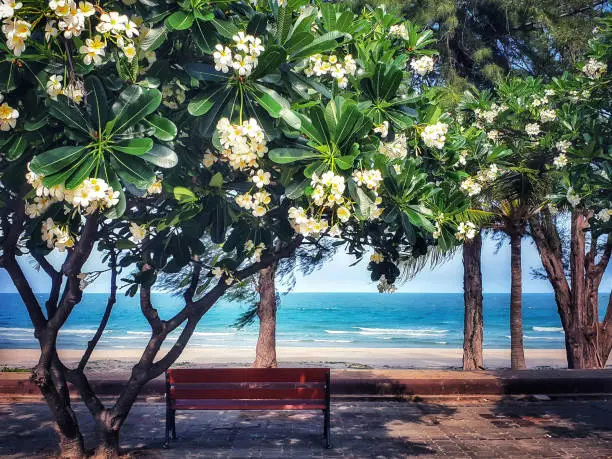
{"x": 517, "y": 352}
{"x": 107, "y": 435}
{"x": 265, "y": 353}
{"x": 472, "y": 297}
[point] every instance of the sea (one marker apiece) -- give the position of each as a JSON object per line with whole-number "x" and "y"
{"x": 348, "y": 320}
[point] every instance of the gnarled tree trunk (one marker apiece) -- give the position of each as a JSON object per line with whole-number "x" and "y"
{"x": 472, "y": 297}
{"x": 265, "y": 353}
{"x": 517, "y": 352}
{"x": 587, "y": 340}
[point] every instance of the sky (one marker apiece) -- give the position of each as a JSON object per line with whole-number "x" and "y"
{"x": 338, "y": 276}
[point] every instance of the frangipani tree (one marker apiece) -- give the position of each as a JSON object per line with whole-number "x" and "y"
{"x": 152, "y": 132}
{"x": 582, "y": 172}
{"x": 543, "y": 125}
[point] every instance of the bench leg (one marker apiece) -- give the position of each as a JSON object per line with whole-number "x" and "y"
{"x": 168, "y": 425}
{"x": 326, "y": 430}
{"x": 173, "y": 424}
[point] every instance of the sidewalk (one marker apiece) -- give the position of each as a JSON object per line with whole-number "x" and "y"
{"x": 580, "y": 429}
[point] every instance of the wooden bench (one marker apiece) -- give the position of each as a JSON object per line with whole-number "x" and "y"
{"x": 247, "y": 389}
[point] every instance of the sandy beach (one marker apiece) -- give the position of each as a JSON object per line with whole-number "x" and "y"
{"x": 121, "y": 360}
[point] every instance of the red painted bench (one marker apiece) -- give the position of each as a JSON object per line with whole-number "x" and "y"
{"x": 247, "y": 389}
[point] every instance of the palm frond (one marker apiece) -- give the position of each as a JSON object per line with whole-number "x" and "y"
{"x": 410, "y": 266}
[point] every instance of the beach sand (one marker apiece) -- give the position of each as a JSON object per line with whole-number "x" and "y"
{"x": 121, "y": 360}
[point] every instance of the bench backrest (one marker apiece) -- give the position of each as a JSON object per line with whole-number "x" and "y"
{"x": 248, "y": 388}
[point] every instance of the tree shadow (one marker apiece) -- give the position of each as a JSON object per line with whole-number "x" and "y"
{"x": 557, "y": 418}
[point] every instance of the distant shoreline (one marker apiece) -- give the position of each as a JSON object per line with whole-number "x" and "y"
{"x": 121, "y": 360}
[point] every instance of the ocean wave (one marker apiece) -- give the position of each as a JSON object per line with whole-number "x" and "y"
{"x": 339, "y": 332}
{"x": 333, "y": 341}
{"x": 213, "y": 333}
{"x": 547, "y": 329}
{"x": 17, "y": 329}
{"x": 78, "y": 331}
{"x": 542, "y": 338}
{"x": 402, "y": 330}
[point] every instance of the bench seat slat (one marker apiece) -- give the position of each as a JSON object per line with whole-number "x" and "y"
{"x": 249, "y": 405}
{"x": 250, "y": 385}
{"x": 178, "y": 393}
{"x": 246, "y": 375}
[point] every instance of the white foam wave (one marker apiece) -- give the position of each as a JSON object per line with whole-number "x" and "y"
{"x": 402, "y": 330}
{"x": 77, "y": 331}
{"x": 547, "y": 329}
{"x": 16, "y": 329}
{"x": 213, "y": 334}
{"x": 333, "y": 341}
{"x": 138, "y": 333}
{"x": 338, "y": 332}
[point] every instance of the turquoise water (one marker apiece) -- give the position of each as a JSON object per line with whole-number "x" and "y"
{"x": 306, "y": 319}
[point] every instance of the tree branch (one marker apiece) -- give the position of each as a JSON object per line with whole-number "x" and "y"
{"x": 56, "y": 283}
{"x": 112, "y": 299}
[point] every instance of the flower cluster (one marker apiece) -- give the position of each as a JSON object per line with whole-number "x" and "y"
{"x": 308, "y": 226}
{"x": 548, "y": 115}
{"x": 382, "y": 129}
{"x": 604, "y": 215}
{"x": 489, "y": 116}
{"x": 8, "y": 116}
{"x": 371, "y": 178}
{"x": 56, "y": 236}
{"x": 377, "y": 257}
{"x": 253, "y": 250}
{"x": 138, "y": 232}
{"x": 532, "y": 129}
{"x": 400, "y": 31}
{"x": 74, "y": 90}
{"x": 243, "y": 144}
{"x": 16, "y": 31}
{"x": 257, "y": 202}
{"x": 240, "y": 57}
{"x": 219, "y": 272}
{"x": 398, "y": 149}
{"x": 434, "y": 135}
{"x": 91, "y": 195}
{"x": 560, "y": 161}
{"x": 563, "y": 145}
{"x": 572, "y": 197}
{"x": 465, "y": 231}
{"x": 594, "y": 69}
{"x": 423, "y": 65}
{"x": 261, "y": 178}
{"x": 333, "y": 66}
{"x": 384, "y": 286}
{"x": 473, "y": 185}
{"x": 328, "y": 189}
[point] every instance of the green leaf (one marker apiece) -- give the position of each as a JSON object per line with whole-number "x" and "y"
{"x": 17, "y": 148}
{"x": 36, "y": 123}
{"x": 122, "y": 244}
{"x": 207, "y": 123}
{"x": 165, "y": 129}
{"x": 65, "y": 111}
{"x": 291, "y": 155}
{"x": 345, "y": 162}
{"x": 257, "y": 24}
{"x": 82, "y": 172}
{"x": 268, "y": 102}
{"x": 97, "y": 104}
{"x": 135, "y": 109}
{"x": 133, "y": 170}
{"x": 203, "y": 102}
{"x": 216, "y": 180}
{"x": 55, "y": 160}
{"x": 179, "y": 21}
{"x": 324, "y": 43}
{"x": 184, "y": 195}
{"x": 269, "y": 61}
{"x": 298, "y": 41}
{"x": 127, "y": 70}
{"x": 205, "y": 72}
{"x": 137, "y": 147}
{"x": 296, "y": 189}
{"x": 154, "y": 39}
{"x": 226, "y": 29}
{"x": 205, "y": 36}
{"x": 161, "y": 156}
